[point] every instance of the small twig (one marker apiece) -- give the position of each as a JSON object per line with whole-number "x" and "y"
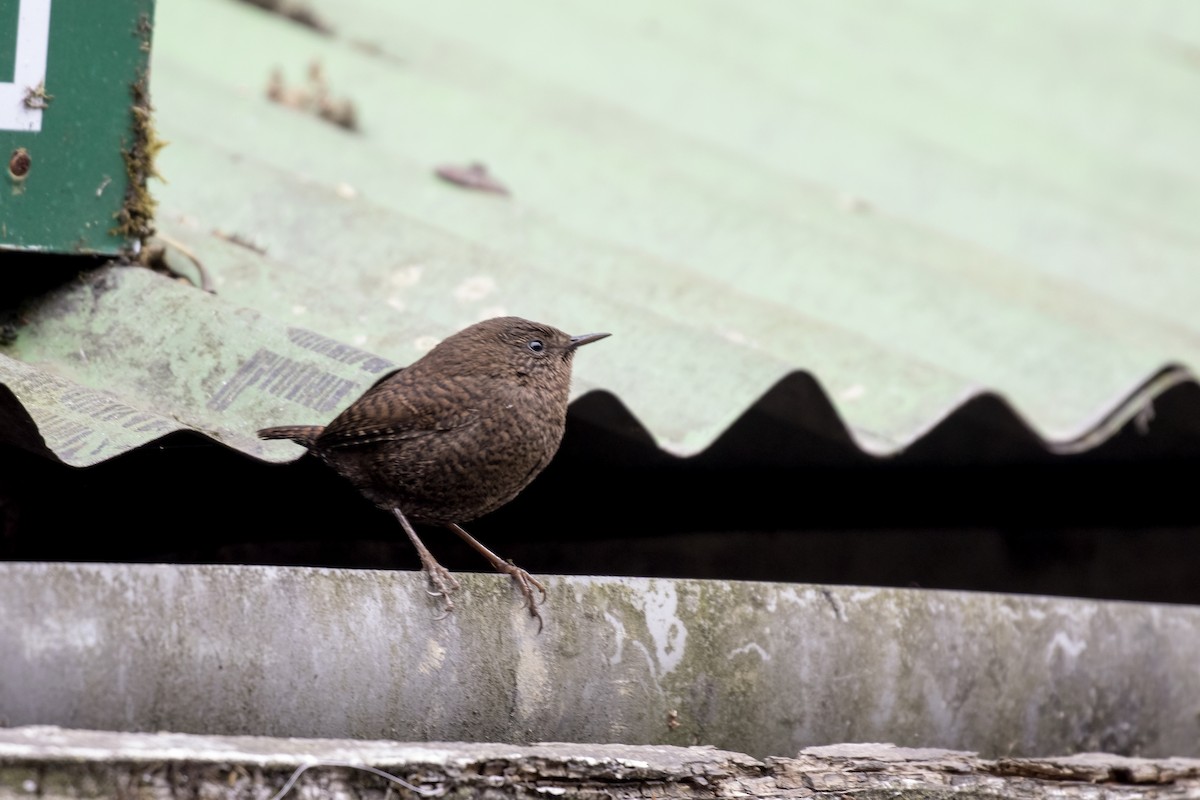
{"x": 240, "y": 241}
{"x": 472, "y": 176}
{"x": 205, "y": 281}
{"x": 287, "y": 787}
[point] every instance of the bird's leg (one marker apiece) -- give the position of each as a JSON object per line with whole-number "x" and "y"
{"x": 525, "y": 582}
{"x": 440, "y": 578}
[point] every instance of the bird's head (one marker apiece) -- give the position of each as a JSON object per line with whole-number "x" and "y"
{"x": 512, "y": 348}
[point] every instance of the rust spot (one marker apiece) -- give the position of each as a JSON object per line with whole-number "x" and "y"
{"x": 19, "y": 163}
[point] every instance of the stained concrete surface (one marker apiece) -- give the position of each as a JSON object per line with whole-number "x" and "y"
{"x": 759, "y": 668}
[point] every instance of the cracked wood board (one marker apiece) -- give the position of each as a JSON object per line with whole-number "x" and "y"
{"x": 55, "y": 762}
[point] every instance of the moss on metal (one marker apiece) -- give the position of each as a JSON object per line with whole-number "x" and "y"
{"x": 135, "y": 219}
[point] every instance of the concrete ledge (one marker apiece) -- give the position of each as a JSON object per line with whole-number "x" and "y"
{"x": 764, "y": 669}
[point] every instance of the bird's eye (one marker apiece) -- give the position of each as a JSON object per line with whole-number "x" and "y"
{"x": 536, "y": 346}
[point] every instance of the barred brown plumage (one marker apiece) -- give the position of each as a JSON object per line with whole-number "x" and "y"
{"x": 456, "y": 434}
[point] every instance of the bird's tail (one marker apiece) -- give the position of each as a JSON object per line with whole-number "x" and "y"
{"x": 300, "y": 434}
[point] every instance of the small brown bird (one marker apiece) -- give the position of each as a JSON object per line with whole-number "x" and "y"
{"x": 456, "y": 434}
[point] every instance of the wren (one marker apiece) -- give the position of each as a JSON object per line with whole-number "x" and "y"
{"x": 456, "y": 434}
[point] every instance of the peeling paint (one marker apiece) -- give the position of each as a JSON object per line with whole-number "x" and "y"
{"x": 54, "y": 636}
{"x": 405, "y": 277}
{"x": 475, "y": 288}
{"x": 425, "y": 343}
{"x": 752, "y": 647}
{"x": 1067, "y": 646}
{"x": 433, "y": 659}
{"x": 667, "y": 630}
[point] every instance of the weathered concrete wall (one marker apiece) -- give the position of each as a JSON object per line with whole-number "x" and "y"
{"x": 764, "y": 669}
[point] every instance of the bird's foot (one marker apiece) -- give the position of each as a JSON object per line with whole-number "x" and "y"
{"x": 440, "y": 579}
{"x": 442, "y": 583}
{"x": 526, "y": 583}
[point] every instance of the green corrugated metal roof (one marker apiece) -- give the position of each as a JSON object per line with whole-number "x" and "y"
{"x": 915, "y": 202}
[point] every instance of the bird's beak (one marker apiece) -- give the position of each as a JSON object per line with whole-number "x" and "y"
{"x": 579, "y": 341}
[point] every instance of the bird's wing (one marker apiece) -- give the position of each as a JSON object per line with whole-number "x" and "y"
{"x": 384, "y": 377}
{"x": 394, "y": 409}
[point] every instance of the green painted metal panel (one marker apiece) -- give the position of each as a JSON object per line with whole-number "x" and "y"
{"x": 75, "y": 129}
{"x": 8, "y": 39}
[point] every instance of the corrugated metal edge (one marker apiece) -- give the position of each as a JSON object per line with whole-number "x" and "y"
{"x": 37, "y": 395}
{"x": 797, "y": 422}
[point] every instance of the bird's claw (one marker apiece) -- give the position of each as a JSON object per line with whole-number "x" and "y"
{"x": 443, "y": 583}
{"x": 524, "y": 580}
{"x": 526, "y": 583}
